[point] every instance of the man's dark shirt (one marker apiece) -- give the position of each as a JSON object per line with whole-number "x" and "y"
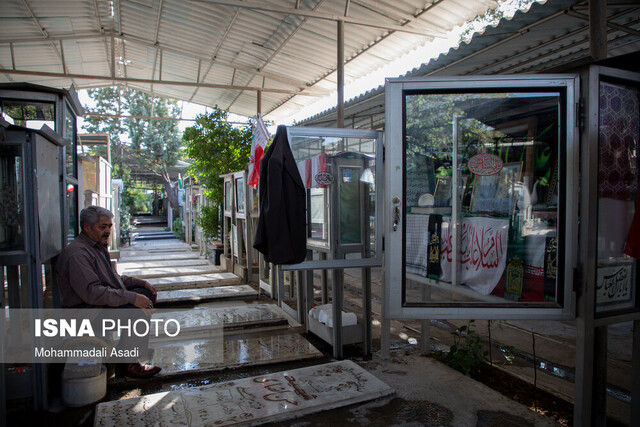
{"x": 86, "y": 277}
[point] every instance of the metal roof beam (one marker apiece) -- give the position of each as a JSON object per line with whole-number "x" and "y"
{"x": 610, "y": 24}
{"x": 538, "y": 48}
{"x": 39, "y": 39}
{"x": 44, "y": 32}
{"x": 306, "y": 92}
{"x": 133, "y": 39}
{"x": 282, "y": 79}
{"x": 319, "y": 15}
{"x": 171, "y": 119}
{"x": 215, "y": 53}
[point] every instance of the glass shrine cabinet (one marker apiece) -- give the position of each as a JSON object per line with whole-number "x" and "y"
{"x": 339, "y": 168}
{"x": 484, "y": 212}
{"x": 485, "y": 216}
{"x": 240, "y": 204}
{"x": 38, "y": 212}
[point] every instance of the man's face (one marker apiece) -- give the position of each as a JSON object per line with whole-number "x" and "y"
{"x": 100, "y": 231}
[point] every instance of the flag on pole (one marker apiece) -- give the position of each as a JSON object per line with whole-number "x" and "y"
{"x": 260, "y": 138}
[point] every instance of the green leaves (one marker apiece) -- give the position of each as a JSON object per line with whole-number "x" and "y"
{"x": 467, "y": 353}
{"x": 215, "y": 147}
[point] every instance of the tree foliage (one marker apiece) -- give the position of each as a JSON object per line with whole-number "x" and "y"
{"x": 216, "y": 148}
{"x": 107, "y": 102}
{"x": 155, "y": 144}
{"x": 493, "y": 16}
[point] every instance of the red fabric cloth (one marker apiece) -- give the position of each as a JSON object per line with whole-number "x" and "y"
{"x": 632, "y": 245}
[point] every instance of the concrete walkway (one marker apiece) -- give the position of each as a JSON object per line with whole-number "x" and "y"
{"x": 417, "y": 382}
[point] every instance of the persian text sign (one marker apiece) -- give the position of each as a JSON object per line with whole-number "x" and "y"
{"x": 482, "y": 255}
{"x": 614, "y": 286}
{"x": 485, "y": 164}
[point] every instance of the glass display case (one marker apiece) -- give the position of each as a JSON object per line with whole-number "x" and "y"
{"x": 484, "y": 210}
{"x": 228, "y": 217}
{"x": 339, "y": 168}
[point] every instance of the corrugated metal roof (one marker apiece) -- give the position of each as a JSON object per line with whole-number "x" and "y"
{"x": 215, "y": 52}
{"x": 550, "y": 37}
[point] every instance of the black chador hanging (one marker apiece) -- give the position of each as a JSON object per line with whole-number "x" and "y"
{"x": 281, "y": 235}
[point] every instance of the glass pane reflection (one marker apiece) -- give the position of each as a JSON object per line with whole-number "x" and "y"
{"x": 481, "y": 197}
{"x": 339, "y": 174}
{"x": 12, "y": 198}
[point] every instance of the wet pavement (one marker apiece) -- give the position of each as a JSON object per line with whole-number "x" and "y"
{"x": 426, "y": 392}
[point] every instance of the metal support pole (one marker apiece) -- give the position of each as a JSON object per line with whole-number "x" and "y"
{"x": 425, "y": 325}
{"x": 599, "y": 406}
{"x": 309, "y": 290}
{"x": 340, "y": 72}
{"x": 635, "y": 375}
{"x": 336, "y": 287}
{"x": 300, "y": 293}
{"x": 259, "y": 101}
{"x": 273, "y": 282}
{"x": 3, "y": 393}
{"x": 598, "y": 29}
{"x": 583, "y": 371}
{"x": 280, "y": 283}
{"x": 323, "y": 280}
{"x": 33, "y": 283}
{"x": 366, "y": 312}
{"x": 3, "y": 303}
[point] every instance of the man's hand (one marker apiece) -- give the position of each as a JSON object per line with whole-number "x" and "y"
{"x": 151, "y": 289}
{"x": 144, "y": 304}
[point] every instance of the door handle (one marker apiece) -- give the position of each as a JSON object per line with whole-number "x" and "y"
{"x": 396, "y": 213}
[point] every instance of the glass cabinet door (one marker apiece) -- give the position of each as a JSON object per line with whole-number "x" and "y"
{"x": 480, "y": 188}
{"x": 340, "y": 170}
{"x": 614, "y": 129}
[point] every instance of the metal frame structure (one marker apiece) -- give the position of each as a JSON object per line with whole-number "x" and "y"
{"x": 591, "y": 341}
{"x": 234, "y": 54}
{"x": 337, "y": 262}
{"x": 38, "y": 250}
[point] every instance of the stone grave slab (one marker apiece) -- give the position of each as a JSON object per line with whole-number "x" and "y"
{"x": 206, "y": 294}
{"x": 195, "y": 281}
{"x": 273, "y": 397}
{"x": 197, "y": 319}
{"x": 125, "y": 266}
{"x": 214, "y": 353}
{"x": 174, "y": 271}
{"x": 140, "y": 256}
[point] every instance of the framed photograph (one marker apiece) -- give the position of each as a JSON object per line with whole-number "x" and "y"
{"x": 497, "y": 194}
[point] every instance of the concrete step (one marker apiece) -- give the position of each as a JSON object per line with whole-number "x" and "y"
{"x": 158, "y": 236}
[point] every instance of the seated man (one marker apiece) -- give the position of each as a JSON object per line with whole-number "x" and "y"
{"x": 86, "y": 278}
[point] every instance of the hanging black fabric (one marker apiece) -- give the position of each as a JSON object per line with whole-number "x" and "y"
{"x": 281, "y": 235}
{"x": 433, "y": 254}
